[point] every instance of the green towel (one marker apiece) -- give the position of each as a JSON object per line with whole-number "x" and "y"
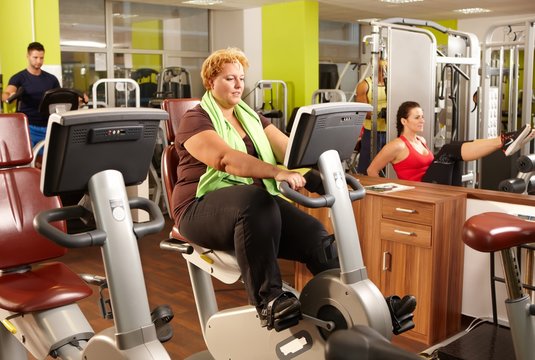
{"x": 214, "y": 179}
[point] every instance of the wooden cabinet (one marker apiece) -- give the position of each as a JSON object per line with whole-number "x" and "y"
{"x": 411, "y": 244}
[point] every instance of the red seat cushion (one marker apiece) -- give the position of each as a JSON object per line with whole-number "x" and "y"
{"x": 46, "y": 286}
{"x": 15, "y": 146}
{"x": 494, "y": 231}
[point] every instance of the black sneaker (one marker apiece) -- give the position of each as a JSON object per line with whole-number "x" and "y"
{"x": 281, "y": 313}
{"x": 512, "y": 141}
{"x": 528, "y": 137}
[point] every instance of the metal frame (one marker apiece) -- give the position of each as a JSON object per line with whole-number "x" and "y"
{"x": 259, "y": 89}
{"x": 490, "y": 76}
{"x": 387, "y": 34}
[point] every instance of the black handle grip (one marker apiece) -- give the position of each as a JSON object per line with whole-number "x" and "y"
{"x": 358, "y": 191}
{"x": 152, "y": 226}
{"x": 42, "y": 225}
{"x": 94, "y": 237}
{"x": 17, "y": 94}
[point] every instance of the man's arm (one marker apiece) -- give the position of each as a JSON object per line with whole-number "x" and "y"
{"x": 8, "y": 91}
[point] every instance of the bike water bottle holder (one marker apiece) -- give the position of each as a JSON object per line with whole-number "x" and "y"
{"x": 104, "y": 302}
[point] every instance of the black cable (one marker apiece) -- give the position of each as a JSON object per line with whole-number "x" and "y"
{"x": 250, "y": 92}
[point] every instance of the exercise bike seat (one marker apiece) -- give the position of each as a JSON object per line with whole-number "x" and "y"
{"x": 494, "y": 231}
{"x": 27, "y": 284}
{"x": 220, "y": 264}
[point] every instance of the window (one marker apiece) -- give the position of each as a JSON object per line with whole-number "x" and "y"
{"x": 140, "y": 39}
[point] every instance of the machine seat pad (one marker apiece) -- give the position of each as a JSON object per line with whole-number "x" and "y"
{"x": 495, "y": 231}
{"x": 45, "y": 286}
{"x": 175, "y": 234}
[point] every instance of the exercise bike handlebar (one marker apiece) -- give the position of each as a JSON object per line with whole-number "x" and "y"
{"x": 326, "y": 200}
{"x": 17, "y": 94}
{"x": 358, "y": 191}
{"x": 150, "y": 227}
{"x": 310, "y": 202}
{"x": 42, "y": 223}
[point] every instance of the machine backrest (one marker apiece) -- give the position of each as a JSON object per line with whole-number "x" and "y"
{"x": 21, "y": 199}
{"x": 169, "y": 174}
{"x": 176, "y": 109}
{"x": 15, "y": 150}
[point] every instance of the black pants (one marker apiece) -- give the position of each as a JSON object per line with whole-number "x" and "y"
{"x": 260, "y": 228}
{"x": 446, "y": 168}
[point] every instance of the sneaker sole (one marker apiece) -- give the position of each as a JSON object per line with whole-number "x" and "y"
{"x": 528, "y": 138}
{"x": 517, "y": 144}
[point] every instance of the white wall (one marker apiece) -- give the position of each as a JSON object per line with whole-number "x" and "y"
{"x": 242, "y": 29}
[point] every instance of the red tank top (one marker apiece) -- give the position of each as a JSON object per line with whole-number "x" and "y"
{"x": 415, "y": 165}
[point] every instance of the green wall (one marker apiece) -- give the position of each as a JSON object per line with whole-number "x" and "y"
{"x": 147, "y": 35}
{"x": 290, "y": 48}
{"x": 16, "y": 20}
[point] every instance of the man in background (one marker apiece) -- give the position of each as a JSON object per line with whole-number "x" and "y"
{"x": 35, "y": 82}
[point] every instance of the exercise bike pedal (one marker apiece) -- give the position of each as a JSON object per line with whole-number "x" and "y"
{"x": 161, "y": 317}
{"x": 401, "y": 312}
{"x": 286, "y": 322}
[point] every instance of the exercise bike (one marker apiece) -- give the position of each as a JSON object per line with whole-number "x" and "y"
{"x": 336, "y": 299}
{"x": 54, "y": 101}
{"x": 99, "y": 151}
{"x": 494, "y": 231}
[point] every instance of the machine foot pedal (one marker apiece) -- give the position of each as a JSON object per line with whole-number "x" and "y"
{"x": 401, "y": 312}
{"x": 161, "y": 317}
{"x": 286, "y": 322}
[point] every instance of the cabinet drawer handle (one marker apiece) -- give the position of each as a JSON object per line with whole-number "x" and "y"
{"x": 387, "y": 260}
{"x": 408, "y": 233}
{"x": 408, "y": 211}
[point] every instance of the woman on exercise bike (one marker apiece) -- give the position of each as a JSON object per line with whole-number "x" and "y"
{"x": 226, "y": 196}
{"x": 413, "y": 160}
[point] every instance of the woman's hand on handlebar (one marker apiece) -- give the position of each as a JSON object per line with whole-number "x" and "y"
{"x": 294, "y": 179}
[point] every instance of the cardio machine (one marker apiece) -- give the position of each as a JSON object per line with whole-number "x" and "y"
{"x": 336, "y": 299}
{"x": 99, "y": 151}
{"x": 494, "y": 231}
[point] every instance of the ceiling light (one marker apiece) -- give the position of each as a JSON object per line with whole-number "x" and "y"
{"x": 400, "y": 1}
{"x": 472, "y": 11}
{"x": 82, "y": 43}
{"x": 125, "y": 16}
{"x": 203, "y": 2}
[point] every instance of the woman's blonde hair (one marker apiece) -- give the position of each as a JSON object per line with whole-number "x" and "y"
{"x": 213, "y": 65}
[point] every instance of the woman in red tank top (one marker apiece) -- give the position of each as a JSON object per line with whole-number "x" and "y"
{"x": 412, "y": 160}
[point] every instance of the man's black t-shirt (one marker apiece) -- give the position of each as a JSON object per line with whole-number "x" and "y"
{"x": 35, "y": 87}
